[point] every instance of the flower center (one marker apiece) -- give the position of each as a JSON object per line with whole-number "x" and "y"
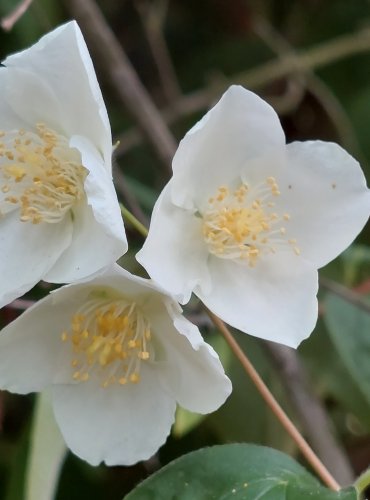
{"x": 111, "y": 338}
{"x": 40, "y": 174}
{"x": 242, "y": 225}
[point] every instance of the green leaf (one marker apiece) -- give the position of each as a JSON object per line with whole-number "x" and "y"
{"x": 235, "y": 471}
{"x": 349, "y": 329}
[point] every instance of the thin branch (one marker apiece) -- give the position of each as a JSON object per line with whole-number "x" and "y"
{"x": 345, "y": 293}
{"x": 308, "y": 80}
{"x": 152, "y": 16}
{"x": 11, "y": 19}
{"x": 308, "y": 60}
{"x": 128, "y": 197}
{"x": 20, "y": 304}
{"x": 122, "y": 76}
{"x": 262, "y": 388}
{"x": 275, "y": 407}
{"x": 311, "y": 412}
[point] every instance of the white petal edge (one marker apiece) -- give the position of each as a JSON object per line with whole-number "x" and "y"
{"x": 27, "y": 253}
{"x": 174, "y": 253}
{"x": 192, "y": 372}
{"x": 324, "y": 190}
{"x": 30, "y": 347}
{"x": 275, "y": 301}
{"x": 99, "y": 237}
{"x": 61, "y": 60}
{"x": 240, "y": 127}
{"x": 119, "y": 425}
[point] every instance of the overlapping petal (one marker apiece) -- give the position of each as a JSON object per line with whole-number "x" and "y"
{"x": 176, "y": 233}
{"x": 239, "y": 128}
{"x": 119, "y": 427}
{"x": 60, "y": 218}
{"x": 61, "y": 63}
{"x": 101, "y": 416}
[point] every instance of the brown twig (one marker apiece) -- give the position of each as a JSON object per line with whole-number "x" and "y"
{"x": 283, "y": 418}
{"x": 152, "y": 16}
{"x": 20, "y": 304}
{"x": 308, "y": 60}
{"x": 262, "y": 388}
{"x": 307, "y": 79}
{"x": 345, "y": 293}
{"x": 310, "y": 411}
{"x": 128, "y": 197}
{"x": 9, "y": 21}
{"x": 129, "y": 89}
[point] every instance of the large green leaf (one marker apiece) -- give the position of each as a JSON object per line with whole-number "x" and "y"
{"x": 235, "y": 471}
{"x": 349, "y": 329}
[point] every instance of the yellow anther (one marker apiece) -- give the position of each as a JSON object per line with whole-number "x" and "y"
{"x": 143, "y": 355}
{"x": 134, "y": 378}
{"x": 105, "y": 336}
{"x": 11, "y": 199}
{"x": 239, "y": 223}
{"x": 48, "y": 171}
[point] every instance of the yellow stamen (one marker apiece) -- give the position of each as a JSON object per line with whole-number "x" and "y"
{"x": 111, "y": 338}
{"x": 41, "y": 173}
{"x": 239, "y": 224}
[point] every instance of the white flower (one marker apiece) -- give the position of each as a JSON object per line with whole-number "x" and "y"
{"x": 246, "y": 220}
{"x": 59, "y": 216}
{"x": 118, "y": 355}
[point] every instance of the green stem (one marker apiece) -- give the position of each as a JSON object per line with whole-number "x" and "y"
{"x": 362, "y": 483}
{"x": 127, "y": 215}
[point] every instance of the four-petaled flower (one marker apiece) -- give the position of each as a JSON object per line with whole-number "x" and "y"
{"x": 246, "y": 220}
{"x": 118, "y": 355}
{"x": 59, "y": 215}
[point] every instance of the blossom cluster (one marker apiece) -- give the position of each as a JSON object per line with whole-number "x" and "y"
{"x": 244, "y": 222}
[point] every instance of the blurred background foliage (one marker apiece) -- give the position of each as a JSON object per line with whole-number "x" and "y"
{"x": 209, "y": 45}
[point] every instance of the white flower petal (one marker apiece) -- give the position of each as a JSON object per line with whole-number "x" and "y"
{"x": 61, "y": 60}
{"x": 99, "y": 237}
{"x": 119, "y": 425}
{"x": 174, "y": 253}
{"x": 28, "y": 251}
{"x": 30, "y": 347}
{"x": 327, "y": 199}
{"x": 192, "y": 372}
{"x": 20, "y": 90}
{"x": 275, "y": 301}
{"x": 101, "y": 417}
{"x": 240, "y": 127}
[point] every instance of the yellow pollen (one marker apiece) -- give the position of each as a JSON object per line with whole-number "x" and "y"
{"x": 109, "y": 338}
{"x": 239, "y": 224}
{"x": 41, "y": 173}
